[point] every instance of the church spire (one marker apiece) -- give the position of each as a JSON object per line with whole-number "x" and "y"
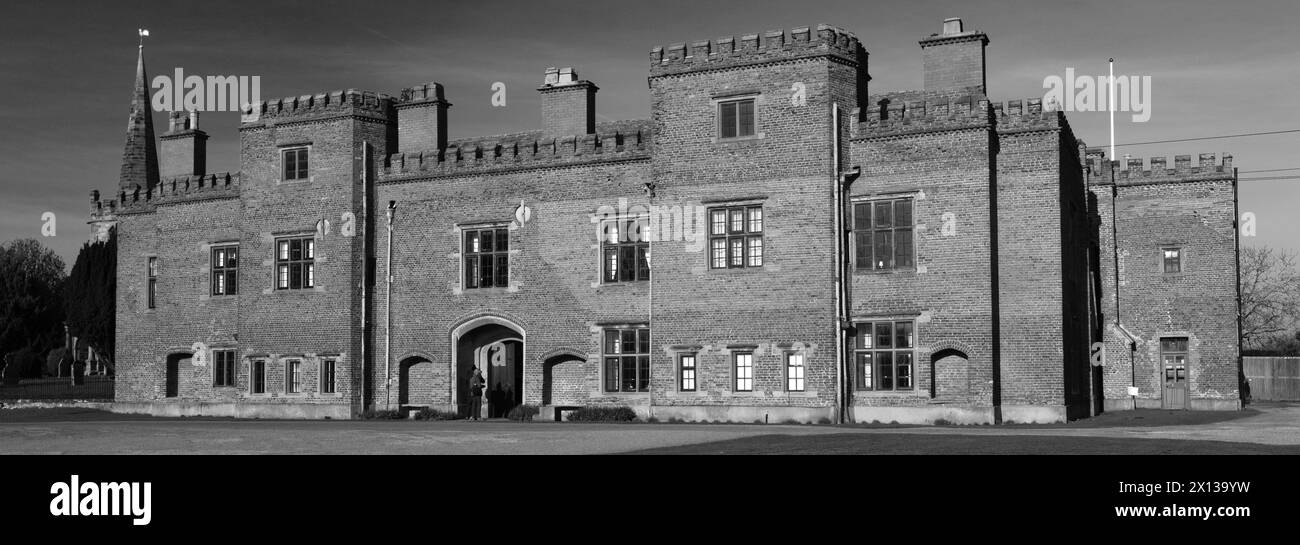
{"x": 140, "y": 156}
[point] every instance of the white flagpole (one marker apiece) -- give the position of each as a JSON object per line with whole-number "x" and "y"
{"x": 1110, "y": 106}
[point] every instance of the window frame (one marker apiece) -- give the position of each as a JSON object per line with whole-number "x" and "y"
{"x": 746, "y": 234}
{"x": 874, "y": 349}
{"x": 867, "y": 235}
{"x": 302, "y": 172}
{"x": 693, "y": 369}
{"x": 307, "y": 275}
{"x": 257, "y": 376}
{"x": 735, "y": 371}
{"x": 719, "y": 106}
{"x": 640, "y": 250}
{"x": 227, "y": 272}
{"x": 228, "y": 379}
{"x": 1177, "y": 259}
{"x": 327, "y": 375}
{"x": 495, "y": 256}
{"x": 803, "y": 371}
{"x": 293, "y": 383}
{"x": 641, "y": 359}
{"x": 151, "y": 289}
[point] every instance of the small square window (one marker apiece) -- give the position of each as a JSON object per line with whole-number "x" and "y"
{"x": 736, "y": 118}
{"x": 295, "y": 164}
{"x": 1172, "y": 259}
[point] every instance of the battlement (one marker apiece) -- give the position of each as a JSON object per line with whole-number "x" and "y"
{"x": 1137, "y": 171}
{"x": 172, "y": 190}
{"x": 911, "y": 111}
{"x": 348, "y": 101}
{"x": 773, "y": 45}
{"x": 617, "y": 141}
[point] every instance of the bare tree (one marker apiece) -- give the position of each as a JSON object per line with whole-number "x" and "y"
{"x": 1270, "y": 293}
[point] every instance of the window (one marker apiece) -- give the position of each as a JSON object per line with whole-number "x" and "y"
{"x": 883, "y": 234}
{"x": 487, "y": 258}
{"x": 736, "y": 237}
{"x": 223, "y": 367}
{"x": 883, "y": 356}
{"x": 1173, "y": 354}
{"x": 1173, "y": 260}
{"x": 327, "y": 377}
{"x": 295, "y": 263}
{"x": 736, "y": 118}
{"x": 794, "y": 372}
{"x": 625, "y": 252}
{"x": 744, "y": 371}
{"x": 295, "y": 164}
{"x": 686, "y": 370}
{"x": 153, "y": 282}
{"x": 257, "y": 377}
{"x": 293, "y": 376}
{"x": 225, "y": 270}
{"x": 627, "y": 360}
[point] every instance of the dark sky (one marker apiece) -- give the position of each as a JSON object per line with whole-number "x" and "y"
{"x": 66, "y": 71}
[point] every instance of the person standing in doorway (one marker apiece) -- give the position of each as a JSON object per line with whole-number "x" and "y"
{"x": 476, "y": 383}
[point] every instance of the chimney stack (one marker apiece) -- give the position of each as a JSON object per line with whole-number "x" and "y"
{"x": 954, "y": 61}
{"x": 422, "y": 119}
{"x": 568, "y": 104}
{"x": 183, "y": 150}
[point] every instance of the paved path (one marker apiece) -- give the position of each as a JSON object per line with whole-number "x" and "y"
{"x": 1275, "y": 425}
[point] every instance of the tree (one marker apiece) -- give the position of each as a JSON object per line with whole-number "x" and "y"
{"x": 1270, "y": 293}
{"x": 31, "y": 309}
{"x": 90, "y": 295}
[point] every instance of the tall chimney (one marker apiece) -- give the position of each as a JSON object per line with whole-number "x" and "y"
{"x": 568, "y": 104}
{"x": 954, "y": 61}
{"x": 422, "y": 119}
{"x": 183, "y": 150}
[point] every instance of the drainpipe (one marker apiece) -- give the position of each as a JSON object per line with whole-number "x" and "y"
{"x": 1236, "y": 235}
{"x": 365, "y": 272}
{"x": 388, "y": 310}
{"x": 840, "y": 401}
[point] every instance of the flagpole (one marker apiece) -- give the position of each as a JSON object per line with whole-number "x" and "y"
{"x": 1110, "y": 106}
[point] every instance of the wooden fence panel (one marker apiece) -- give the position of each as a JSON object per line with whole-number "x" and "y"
{"x": 1273, "y": 379}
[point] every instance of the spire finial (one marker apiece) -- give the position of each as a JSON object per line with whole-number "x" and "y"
{"x": 144, "y": 32}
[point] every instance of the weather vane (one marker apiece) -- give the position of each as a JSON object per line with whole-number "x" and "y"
{"x": 143, "y": 33}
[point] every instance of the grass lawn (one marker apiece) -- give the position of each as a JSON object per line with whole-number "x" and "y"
{"x": 902, "y": 443}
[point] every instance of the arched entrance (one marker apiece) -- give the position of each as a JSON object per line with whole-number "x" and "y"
{"x": 415, "y": 382}
{"x": 949, "y": 374}
{"x": 564, "y": 380}
{"x": 172, "y": 384}
{"x": 496, "y": 347}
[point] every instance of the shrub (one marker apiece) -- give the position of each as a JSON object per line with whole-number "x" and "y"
{"x": 523, "y": 413}
{"x": 823, "y": 421}
{"x": 602, "y": 414}
{"x": 942, "y": 422}
{"x": 435, "y": 414}
{"x": 381, "y": 414}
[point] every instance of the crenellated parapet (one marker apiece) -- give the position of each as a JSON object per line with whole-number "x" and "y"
{"x": 912, "y": 112}
{"x": 619, "y": 141}
{"x": 176, "y": 189}
{"x": 319, "y": 106}
{"x": 770, "y": 46}
{"x": 1139, "y": 171}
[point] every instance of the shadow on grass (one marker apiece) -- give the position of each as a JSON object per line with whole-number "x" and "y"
{"x": 886, "y": 443}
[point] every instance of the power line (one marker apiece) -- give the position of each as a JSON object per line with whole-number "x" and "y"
{"x": 1267, "y": 170}
{"x": 1208, "y": 138}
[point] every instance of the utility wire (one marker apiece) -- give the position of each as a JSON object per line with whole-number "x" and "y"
{"x": 1208, "y": 138}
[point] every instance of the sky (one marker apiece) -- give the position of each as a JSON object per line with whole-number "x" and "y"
{"x": 67, "y": 70}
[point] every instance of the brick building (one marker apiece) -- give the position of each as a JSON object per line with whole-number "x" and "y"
{"x": 818, "y": 252}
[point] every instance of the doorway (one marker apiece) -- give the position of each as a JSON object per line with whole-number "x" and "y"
{"x": 498, "y": 351}
{"x": 172, "y": 382}
{"x": 1173, "y": 359}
